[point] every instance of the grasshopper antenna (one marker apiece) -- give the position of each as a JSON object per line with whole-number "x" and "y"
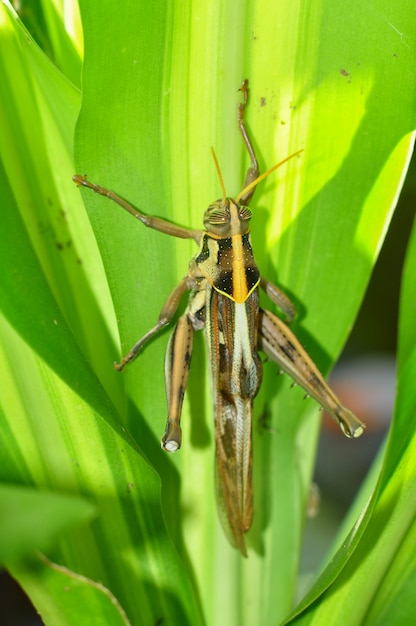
{"x": 217, "y": 167}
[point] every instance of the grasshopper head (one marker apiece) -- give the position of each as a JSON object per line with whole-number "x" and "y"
{"x": 225, "y": 218}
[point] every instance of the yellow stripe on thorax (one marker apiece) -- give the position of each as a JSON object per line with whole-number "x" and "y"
{"x": 240, "y": 290}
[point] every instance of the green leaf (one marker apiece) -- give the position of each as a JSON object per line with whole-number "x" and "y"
{"x": 66, "y": 597}
{"x": 59, "y": 429}
{"x": 374, "y": 586}
{"x": 160, "y": 85}
{"x": 29, "y": 519}
{"x": 170, "y": 91}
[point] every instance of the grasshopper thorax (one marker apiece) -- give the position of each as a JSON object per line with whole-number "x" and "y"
{"x": 226, "y": 218}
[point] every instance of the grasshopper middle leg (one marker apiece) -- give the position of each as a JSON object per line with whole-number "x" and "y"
{"x": 168, "y": 311}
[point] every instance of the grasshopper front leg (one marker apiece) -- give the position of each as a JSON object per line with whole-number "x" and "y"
{"x": 150, "y": 221}
{"x": 278, "y": 342}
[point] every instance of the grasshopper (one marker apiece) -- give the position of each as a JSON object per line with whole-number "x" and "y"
{"x": 224, "y": 282}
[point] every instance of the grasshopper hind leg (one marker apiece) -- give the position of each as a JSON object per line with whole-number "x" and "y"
{"x": 177, "y": 365}
{"x": 278, "y": 342}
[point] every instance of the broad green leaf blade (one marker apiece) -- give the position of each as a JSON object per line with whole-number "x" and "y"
{"x": 59, "y": 429}
{"x": 159, "y": 88}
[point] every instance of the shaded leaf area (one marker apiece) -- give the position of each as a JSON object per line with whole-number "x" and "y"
{"x": 65, "y": 596}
